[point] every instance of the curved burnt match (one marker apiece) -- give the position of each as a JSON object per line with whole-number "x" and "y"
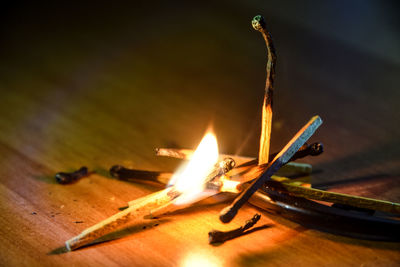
{"x": 259, "y": 24}
{"x": 71, "y": 177}
{"x": 216, "y": 236}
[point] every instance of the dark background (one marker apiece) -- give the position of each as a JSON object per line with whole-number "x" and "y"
{"x": 139, "y": 76}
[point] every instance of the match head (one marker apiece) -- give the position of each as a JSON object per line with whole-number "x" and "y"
{"x": 227, "y": 214}
{"x": 227, "y": 164}
{"x": 71, "y": 177}
{"x": 64, "y": 178}
{"x": 316, "y": 149}
{"x": 115, "y": 170}
{"x": 258, "y": 23}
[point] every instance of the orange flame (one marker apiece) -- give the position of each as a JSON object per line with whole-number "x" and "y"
{"x": 229, "y": 185}
{"x": 190, "y": 179}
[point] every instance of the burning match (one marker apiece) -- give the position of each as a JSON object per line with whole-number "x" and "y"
{"x": 201, "y": 177}
{"x": 198, "y": 179}
{"x": 314, "y": 149}
{"x": 137, "y": 211}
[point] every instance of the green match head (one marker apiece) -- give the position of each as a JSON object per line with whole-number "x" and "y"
{"x": 258, "y": 23}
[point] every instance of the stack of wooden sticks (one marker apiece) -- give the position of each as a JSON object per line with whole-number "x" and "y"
{"x": 250, "y": 173}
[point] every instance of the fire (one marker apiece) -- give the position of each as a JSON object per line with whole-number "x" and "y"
{"x": 190, "y": 178}
{"x": 229, "y": 185}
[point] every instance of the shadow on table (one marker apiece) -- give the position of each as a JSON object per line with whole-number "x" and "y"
{"x": 289, "y": 250}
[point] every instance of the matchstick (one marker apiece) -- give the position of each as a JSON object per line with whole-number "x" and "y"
{"x": 333, "y": 197}
{"x": 71, "y": 177}
{"x": 287, "y": 152}
{"x": 286, "y": 185}
{"x": 179, "y": 153}
{"x": 186, "y": 154}
{"x": 215, "y": 236}
{"x": 175, "y": 206}
{"x": 305, "y": 150}
{"x": 295, "y": 168}
{"x": 248, "y": 173}
{"x": 259, "y": 24}
{"x": 314, "y": 149}
{"x": 137, "y": 210}
{"x": 241, "y": 174}
{"x": 122, "y": 173}
{"x": 322, "y": 217}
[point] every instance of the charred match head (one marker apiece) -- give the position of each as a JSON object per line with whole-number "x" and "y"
{"x": 221, "y": 168}
{"x": 258, "y": 23}
{"x": 226, "y": 165}
{"x": 316, "y": 149}
{"x": 71, "y": 177}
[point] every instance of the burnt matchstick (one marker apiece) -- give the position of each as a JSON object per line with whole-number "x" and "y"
{"x": 322, "y": 217}
{"x": 70, "y": 177}
{"x": 333, "y": 197}
{"x": 259, "y": 24}
{"x": 216, "y": 236}
{"x": 287, "y": 153}
{"x": 186, "y": 154}
{"x": 221, "y": 168}
{"x": 287, "y": 186}
{"x": 315, "y": 149}
{"x": 123, "y": 173}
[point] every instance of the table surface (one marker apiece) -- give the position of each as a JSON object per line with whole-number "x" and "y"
{"x": 99, "y": 85}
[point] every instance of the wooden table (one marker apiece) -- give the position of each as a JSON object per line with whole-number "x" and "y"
{"x": 99, "y": 85}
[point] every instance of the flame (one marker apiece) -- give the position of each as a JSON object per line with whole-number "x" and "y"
{"x": 190, "y": 179}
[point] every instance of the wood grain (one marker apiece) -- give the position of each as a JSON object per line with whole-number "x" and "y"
{"x": 100, "y": 85}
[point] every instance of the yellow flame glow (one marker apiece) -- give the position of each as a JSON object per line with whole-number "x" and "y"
{"x": 200, "y": 258}
{"x": 190, "y": 179}
{"x": 229, "y": 185}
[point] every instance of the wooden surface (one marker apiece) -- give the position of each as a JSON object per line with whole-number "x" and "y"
{"x": 99, "y": 85}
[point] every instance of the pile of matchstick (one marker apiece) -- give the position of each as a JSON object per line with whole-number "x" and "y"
{"x": 251, "y": 173}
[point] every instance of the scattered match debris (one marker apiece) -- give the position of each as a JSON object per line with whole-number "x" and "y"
{"x": 71, "y": 177}
{"x": 216, "y": 236}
